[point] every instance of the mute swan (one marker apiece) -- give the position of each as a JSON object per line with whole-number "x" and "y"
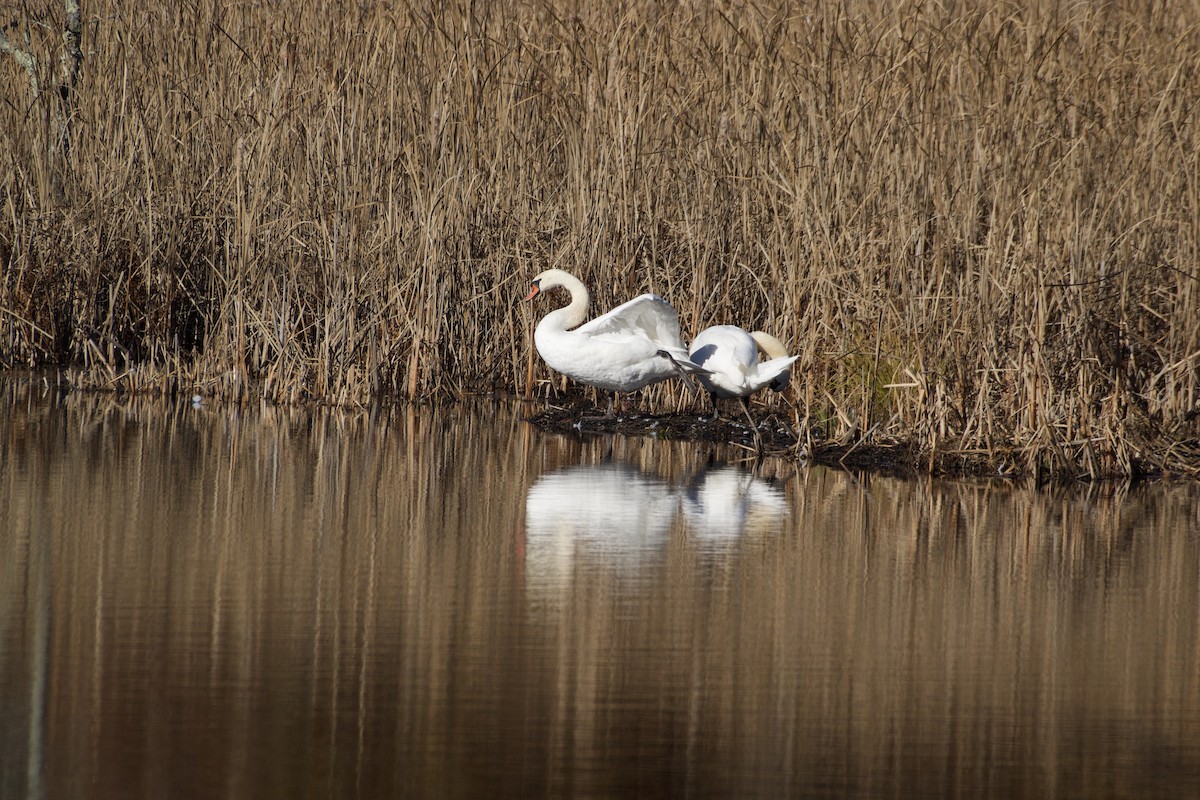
{"x": 634, "y": 345}
{"x": 730, "y": 355}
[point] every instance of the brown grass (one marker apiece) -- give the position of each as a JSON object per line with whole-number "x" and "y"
{"x": 979, "y": 226}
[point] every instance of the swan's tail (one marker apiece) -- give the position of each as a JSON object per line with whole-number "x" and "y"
{"x": 777, "y": 372}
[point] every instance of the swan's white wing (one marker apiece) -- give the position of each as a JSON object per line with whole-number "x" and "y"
{"x": 648, "y": 315}
{"x": 730, "y": 346}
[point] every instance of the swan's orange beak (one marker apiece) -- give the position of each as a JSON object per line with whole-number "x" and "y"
{"x": 533, "y": 292}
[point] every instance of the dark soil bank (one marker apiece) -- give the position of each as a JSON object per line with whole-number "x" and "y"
{"x": 778, "y": 438}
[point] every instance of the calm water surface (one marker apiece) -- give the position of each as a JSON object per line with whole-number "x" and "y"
{"x": 238, "y": 603}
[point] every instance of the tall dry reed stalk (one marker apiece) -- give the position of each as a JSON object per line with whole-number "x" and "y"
{"x": 977, "y": 225}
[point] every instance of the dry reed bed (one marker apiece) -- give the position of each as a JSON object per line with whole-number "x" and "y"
{"x": 977, "y": 225}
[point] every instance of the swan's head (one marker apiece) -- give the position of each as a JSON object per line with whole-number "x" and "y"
{"x": 771, "y": 347}
{"x": 551, "y": 279}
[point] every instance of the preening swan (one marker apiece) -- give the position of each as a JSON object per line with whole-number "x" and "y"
{"x": 730, "y": 355}
{"x": 634, "y": 345}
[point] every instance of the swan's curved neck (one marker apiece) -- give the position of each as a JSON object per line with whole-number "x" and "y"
{"x": 769, "y": 345}
{"x": 575, "y": 312}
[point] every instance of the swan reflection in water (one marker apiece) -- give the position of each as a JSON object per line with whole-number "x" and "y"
{"x": 615, "y": 518}
{"x": 607, "y": 516}
{"x": 722, "y": 504}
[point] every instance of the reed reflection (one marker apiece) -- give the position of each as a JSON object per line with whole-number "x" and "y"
{"x": 233, "y": 602}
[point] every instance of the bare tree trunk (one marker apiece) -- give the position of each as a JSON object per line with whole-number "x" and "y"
{"x": 61, "y": 113}
{"x": 69, "y": 63}
{"x": 24, "y": 57}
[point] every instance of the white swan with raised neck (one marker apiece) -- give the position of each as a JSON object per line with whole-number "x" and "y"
{"x": 620, "y": 351}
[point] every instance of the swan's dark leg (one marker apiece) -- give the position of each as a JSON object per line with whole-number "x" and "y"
{"x": 753, "y": 427}
{"x": 716, "y": 411}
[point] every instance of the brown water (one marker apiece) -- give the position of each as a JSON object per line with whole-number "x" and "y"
{"x": 237, "y": 603}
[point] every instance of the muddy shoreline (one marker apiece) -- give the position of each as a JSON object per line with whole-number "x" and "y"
{"x": 889, "y": 455}
{"x": 579, "y": 417}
